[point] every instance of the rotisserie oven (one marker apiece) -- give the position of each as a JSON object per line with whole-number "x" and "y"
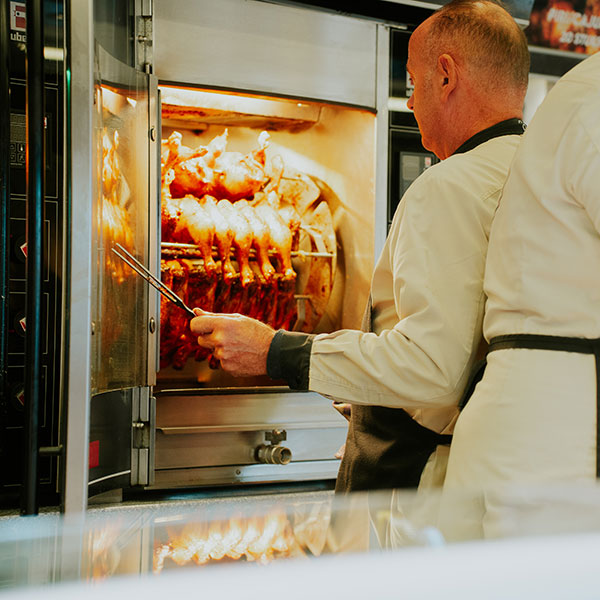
{"x": 239, "y": 161}
{"x": 267, "y": 209}
{"x": 255, "y": 221}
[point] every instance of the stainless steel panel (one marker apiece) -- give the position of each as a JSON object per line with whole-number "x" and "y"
{"x": 144, "y": 36}
{"x": 135, "y": 467}
{"x": 301, "y": 471}
{"x": 249, "y": 45}
{"x": 79, "y": 234}
{"x": 143, "y": 436}
{"x": 382, "y": 137}
{"x": 238, "y": 448}
{"x": 214, "y": 438}
{"x": 274, "y": 409}
{"x": 143, "y": 461}
{"x": 152, "y": 442}
{"x": 153, "y": 250}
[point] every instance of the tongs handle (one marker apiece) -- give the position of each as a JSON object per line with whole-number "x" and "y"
{"x": 143, "y": 272}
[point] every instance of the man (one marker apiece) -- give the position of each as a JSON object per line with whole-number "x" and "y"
{"x": 534, "y": 417}
{"x": 405, "y": 373}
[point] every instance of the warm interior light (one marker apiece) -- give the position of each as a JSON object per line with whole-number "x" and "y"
{"x": 260, "y": 539}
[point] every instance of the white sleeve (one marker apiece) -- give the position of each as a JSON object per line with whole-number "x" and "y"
{"x": 437, "y": 255}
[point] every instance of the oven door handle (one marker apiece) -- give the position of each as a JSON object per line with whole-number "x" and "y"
{"x": 154, "y": 196}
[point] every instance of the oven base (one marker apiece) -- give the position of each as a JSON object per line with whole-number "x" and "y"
{"x": 245, "y": 474}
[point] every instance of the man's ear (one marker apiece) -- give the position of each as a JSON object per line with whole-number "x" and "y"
{"x": 447, "y": 75}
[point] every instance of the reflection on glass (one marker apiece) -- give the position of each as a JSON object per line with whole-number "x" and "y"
{"x": 119, "y": 342}
{"x": 156, "y": 541}
{"x": 260, "y": 538}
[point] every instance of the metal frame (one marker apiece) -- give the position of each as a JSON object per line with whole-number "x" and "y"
{"x": 190, "y": 49}
{"x": 82, "y": 178}
{"x": 382, "y": 138}
{"x": 154, "y": 122}
{"x": 245, "y": 474}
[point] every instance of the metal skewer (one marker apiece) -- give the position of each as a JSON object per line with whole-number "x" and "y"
{"x": 303, "y": 253}
{"x": 141, "y": 270}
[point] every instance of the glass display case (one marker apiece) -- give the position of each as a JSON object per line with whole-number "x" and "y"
{"x": 307, "y": 532}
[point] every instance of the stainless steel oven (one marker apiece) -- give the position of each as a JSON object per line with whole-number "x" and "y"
{"x": 298, "y": 92}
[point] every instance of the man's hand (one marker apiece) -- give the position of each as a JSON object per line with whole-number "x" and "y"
{"x": 240, "y": 343}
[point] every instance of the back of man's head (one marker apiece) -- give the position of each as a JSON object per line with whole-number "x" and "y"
{"x": 486, "y": 39}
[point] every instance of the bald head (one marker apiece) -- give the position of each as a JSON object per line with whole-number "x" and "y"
{"x": 469, "y": 64}
{"x": 484, "y": 39}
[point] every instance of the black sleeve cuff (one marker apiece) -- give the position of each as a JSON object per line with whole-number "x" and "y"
{"x": 289, "y": 358}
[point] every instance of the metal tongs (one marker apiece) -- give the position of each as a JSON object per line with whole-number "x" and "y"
{"x": 141, "y": 270}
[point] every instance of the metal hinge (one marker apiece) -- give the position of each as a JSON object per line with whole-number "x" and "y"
{"x": 143, "y": 428}
{"x": 144, "y": 36}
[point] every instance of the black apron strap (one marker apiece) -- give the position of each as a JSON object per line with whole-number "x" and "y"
{"x": 561, "y": 344}
{"x": 544, "y": 342}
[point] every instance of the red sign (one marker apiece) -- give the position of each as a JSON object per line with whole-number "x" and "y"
{"x": 571, "y": 25}
{"x": 23, "y": 323}
{"x": 23, "y": 248}
{"x": 94, "y": 454}
{"x": 18, "y": 19}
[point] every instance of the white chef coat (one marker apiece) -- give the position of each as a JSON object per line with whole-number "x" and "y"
{"x": 533, "y": 416}
{"x": 427, "y": 295}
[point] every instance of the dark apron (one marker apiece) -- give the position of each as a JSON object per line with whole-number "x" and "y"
{"x": 545, "y": 342}
{"x": 385, "y": 449}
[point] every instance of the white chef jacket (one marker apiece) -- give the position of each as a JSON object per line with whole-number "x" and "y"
{"x": 427, "y": 296}
{"x": 533, "y": 416}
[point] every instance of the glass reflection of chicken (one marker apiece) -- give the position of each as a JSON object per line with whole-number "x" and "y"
{"x": 115, "y": 218}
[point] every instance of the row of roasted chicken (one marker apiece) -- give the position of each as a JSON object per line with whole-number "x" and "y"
{"x": 271, "y": 301}
{"x": 240, "y": 227}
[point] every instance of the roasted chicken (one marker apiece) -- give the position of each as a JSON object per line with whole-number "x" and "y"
{"x": 212, "y": 170}
{"x": 241, "y": 230}
{"x": 261, "y": 238}
{"x": 242, "y": 238}
{"x": 279, "y": 234}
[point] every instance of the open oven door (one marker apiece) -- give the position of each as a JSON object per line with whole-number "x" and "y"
{"x": 113, "y": 314}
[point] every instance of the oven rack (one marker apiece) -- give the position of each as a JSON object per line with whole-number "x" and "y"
{"x": 179, "y": 250}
